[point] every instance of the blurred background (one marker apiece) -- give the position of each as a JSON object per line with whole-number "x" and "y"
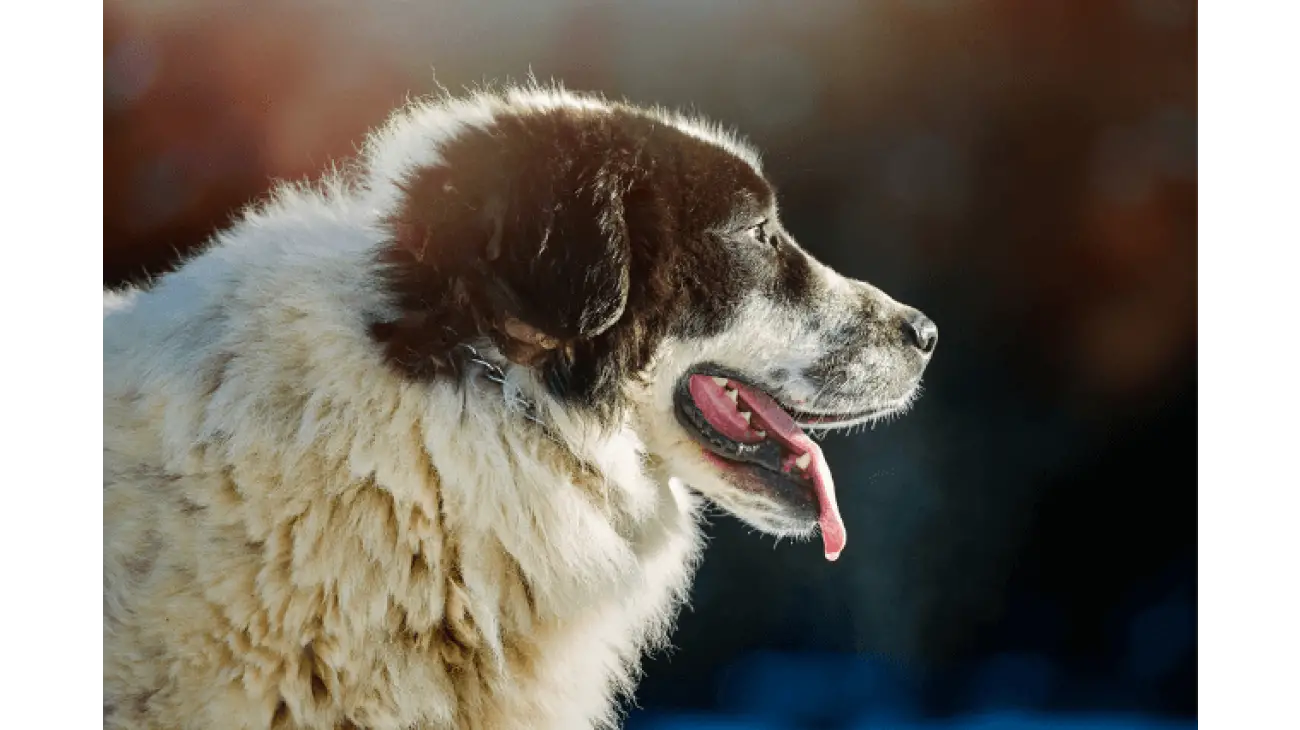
{"x": 1023, "y": 549}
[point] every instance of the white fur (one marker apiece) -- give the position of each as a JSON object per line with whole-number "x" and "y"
{"x": 295, "y": 536}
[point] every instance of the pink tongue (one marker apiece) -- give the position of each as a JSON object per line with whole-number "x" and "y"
{"x": 724, "y": 415}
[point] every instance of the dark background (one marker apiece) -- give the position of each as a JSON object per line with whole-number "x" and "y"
{"x": 1024, "y": 542}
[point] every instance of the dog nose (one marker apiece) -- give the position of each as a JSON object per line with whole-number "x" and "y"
{"x": 923, "y": 333}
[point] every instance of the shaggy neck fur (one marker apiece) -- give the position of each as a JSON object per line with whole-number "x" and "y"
{"x": 296, "y": 535}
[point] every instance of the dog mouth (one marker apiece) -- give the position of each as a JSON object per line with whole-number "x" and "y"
{"x": 764, "y": 446}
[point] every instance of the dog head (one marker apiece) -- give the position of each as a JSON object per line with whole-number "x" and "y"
{"x": 634, "y": 263}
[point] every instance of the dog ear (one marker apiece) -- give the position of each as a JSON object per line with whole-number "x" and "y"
{"x": 528, "y": 247}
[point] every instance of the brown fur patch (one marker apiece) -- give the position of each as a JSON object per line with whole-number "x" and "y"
{"x": 574, "y": 241}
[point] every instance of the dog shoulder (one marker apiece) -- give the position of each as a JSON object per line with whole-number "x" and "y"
{"x": 272, "y": 479}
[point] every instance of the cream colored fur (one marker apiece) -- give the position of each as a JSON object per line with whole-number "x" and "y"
{"x": 296, "y": 537}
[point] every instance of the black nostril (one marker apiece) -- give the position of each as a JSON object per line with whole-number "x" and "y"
{"x": 922, "y": 332}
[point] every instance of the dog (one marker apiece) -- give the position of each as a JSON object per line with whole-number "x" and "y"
{"x": 425, "y": 443}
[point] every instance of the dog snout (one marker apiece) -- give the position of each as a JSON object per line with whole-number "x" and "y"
{"x": 921, "y": 332}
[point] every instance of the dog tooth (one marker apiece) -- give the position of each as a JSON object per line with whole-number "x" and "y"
{"x": 720, "y": 381}
{"x": 732, "y": 395}
{"x": 760, "y": 433}
{"x": 746, "y": 415}
{"x": 803, "y": 461}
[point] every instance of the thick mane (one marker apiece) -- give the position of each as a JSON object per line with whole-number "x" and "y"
{"x": 298, "y": 534}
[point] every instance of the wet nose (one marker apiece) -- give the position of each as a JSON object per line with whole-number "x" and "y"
{"x": 922, "y": 332}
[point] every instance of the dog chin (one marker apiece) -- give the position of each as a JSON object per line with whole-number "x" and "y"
{"x": 773, "y": 521}
{"x": 689, "y": 464}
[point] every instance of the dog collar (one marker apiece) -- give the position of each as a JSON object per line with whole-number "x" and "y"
{"x": 471, "y": 363}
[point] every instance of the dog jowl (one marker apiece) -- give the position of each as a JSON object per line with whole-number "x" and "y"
{"x": 638, "y": 269}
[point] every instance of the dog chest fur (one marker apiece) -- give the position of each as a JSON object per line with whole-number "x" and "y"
{"x": 294, "y": 536}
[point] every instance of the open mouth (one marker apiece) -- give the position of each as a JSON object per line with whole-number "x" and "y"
{"x": 751, "y": 433}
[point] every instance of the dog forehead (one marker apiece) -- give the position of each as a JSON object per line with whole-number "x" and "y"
{"x": 708, "y": 157}
{"x": 707, "y": 160}
{"x": 709, "y": 178}
{"x": 549, "y": 98}
{"x": 418, "y": 135}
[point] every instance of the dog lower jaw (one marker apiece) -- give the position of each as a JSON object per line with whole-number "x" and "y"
{"x": 780, "y": 526}
{"x": 756, "y": 511}
{"x": 770, "y": 520}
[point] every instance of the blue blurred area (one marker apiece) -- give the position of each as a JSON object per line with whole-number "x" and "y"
{"x": 819, "y": 688}
{"x": 996, "y": 721}
{"x": 859, "y": 692}
{"x": 1147, "y": 654}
